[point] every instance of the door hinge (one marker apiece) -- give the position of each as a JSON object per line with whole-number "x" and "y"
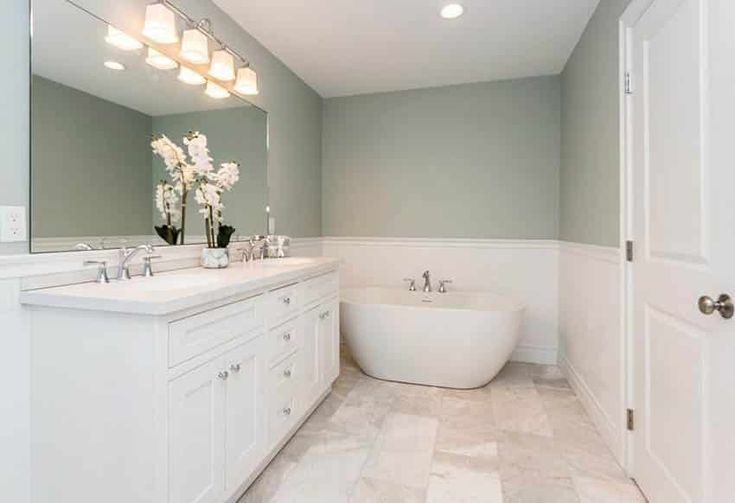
{"x": 630, "y": 419}
{"x": 629, "y": 251}
{"x": 628, "y": 83}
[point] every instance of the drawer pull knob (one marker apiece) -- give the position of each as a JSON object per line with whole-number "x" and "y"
{"x": 287, "y": 373}
{"x": 287, "y": 336}
{"x": 324, "y": 315}
{"x": 287, "y": 300}
{"x": 287, "y": 411}
{"x": 223, "y": 375}
{"x": 235, "y": 367}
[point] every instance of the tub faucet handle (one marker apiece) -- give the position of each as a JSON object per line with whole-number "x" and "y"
{"x": 442, "y": 285}
{"x": 411, "y": 284}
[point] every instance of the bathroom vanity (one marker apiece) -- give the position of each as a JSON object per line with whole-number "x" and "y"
{"x": 178, "y": 388}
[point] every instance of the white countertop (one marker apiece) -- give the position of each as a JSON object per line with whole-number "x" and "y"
{"x": 169, "y": 292}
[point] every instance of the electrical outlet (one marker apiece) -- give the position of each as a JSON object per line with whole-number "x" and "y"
{"x": 12, "y": 224}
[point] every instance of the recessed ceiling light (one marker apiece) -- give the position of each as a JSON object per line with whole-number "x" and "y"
{"x": 114, "y": 65}
{"x": 452, "y": 11}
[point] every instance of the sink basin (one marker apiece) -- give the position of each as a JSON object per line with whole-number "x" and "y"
{"x": 170, "y": 282}
{"x": 288, "y": 261}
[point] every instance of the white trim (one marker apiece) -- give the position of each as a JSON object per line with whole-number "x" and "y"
{"x": 593, "y": 407}
{"x": 443, "y": 242}
{"x": 528, "y": 353}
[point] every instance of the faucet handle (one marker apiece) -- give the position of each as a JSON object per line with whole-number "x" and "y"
{"x": 147, "y": 268}
{"x": 101, "y": 270}
{"x": 411, "y": 284}
{"x": 442, "y": 283}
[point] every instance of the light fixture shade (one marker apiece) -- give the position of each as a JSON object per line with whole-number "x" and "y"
{"x": 216, "y": 91}
{"x": 247, "y": 81}
{"x": 190, "y": 77}
{"x": 121, "y": 40}
{"x": 223, "y": 66}
{"x": 194, "y": 47}
{"x": 160, "y": 24}
{"x": 160, "y": 61}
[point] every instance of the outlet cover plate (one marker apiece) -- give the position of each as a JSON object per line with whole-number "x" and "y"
{"x": 13, "y": 224}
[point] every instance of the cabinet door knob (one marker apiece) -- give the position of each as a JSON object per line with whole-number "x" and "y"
{"x": 287, "y": 336}
{"x": 324, "y": 315}
{"x": 235, "y": 367}
{"x": 287, "y": 373}
{"x": 223, "y": 375}
{"x": 287, "y": 300}
{"x": 287, "y": 411}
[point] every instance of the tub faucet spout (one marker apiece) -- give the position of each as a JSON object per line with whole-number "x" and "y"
{"x": 427, "y": 282}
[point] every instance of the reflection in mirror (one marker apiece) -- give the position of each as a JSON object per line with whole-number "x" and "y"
{"x": 96, "y": 104}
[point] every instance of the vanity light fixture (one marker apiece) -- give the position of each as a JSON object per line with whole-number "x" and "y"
{"x": 223, "y": 66}
{"x": 121, "y": 40}
{"x": 216, "y": 91}
{"x": 114, "y": 65}
{"x": 195, "y": 47}
{"x": 452, "y": 11}
{"x": 160, "y": 61}
{"x": 160, "y": 24}
{"x": 247, "y": 81}
{"x": 190, "y": 77}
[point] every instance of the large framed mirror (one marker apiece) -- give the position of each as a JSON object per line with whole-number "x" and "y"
{"x": 96, "y": 105}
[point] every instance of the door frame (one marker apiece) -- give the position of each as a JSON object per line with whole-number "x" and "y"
{"x": 630, "y": 16}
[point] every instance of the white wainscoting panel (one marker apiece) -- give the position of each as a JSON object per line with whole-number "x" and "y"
{"x": 523, "y": 269}
{"x": 592, "y": 345}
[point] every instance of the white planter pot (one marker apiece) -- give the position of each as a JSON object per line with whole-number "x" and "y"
{"x": 215, "y": 258}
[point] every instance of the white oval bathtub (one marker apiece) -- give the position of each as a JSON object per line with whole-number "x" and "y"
{"x": 453, "y": 340}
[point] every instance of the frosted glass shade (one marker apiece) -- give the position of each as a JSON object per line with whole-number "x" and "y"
{"x": 121, "y": 40}
{"x": 195, "y": 47}
{"x": 223, "y": 66}
{"x": 216, "y": 91}
{"x": 247, "y": 81}
{"x": 190, "y": 77}
{"x": 158, "y": 60}
{"x": 160, "y": 24}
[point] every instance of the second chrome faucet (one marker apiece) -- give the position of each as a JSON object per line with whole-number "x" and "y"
{"x": 427, "y": 288}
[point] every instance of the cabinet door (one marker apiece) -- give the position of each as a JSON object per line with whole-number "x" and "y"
{"x": 196, "y": 435}
{"x": 244, "y": 411}
{"x": 311, "y": 377}
{"x": 328, "y": 342}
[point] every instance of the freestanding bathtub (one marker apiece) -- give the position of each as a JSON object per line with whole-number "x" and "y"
{"x": 453, "y": 340}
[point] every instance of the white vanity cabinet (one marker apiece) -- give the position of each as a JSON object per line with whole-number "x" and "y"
{"x": 180, "y": 407}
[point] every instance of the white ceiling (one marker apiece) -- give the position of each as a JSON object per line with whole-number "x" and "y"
{"x": 345, "y": 47}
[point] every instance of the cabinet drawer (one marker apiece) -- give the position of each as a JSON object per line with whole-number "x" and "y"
{"x": 319, "y": 288}
{"x": 282, "y": 416}
{"x": 284, "y": 376}
{"x": 282, "y": 304}
{"x": 197, "y": 334}
{"x": 283, "y": 340}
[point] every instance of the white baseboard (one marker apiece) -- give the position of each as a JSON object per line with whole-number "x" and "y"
{"x": 535, "y": 354}
{"x": 605, "y": 425}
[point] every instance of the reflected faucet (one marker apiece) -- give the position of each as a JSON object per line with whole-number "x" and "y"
{"x": 126, "y": 255}
{"x": 427, "y": 282}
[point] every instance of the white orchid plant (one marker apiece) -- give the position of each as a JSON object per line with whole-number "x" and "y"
{"x": 195, "y": 172}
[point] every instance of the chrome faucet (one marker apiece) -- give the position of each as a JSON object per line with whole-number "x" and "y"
{"x": 256, "y": 244}
{"x": 126, "y": 255}
{"x": 427, "y": 282}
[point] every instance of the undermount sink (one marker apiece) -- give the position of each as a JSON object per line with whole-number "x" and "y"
{"x": 172, "y": 282}
{"x": 288, "y": 261}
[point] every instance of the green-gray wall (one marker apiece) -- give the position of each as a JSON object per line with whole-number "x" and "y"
{"x": 294, "y": 112}
{"x": 466, "y": 161}
{"x": 92, "y": 179}
{"x": 237, "y": 134}
{"x": 590, "y": 158}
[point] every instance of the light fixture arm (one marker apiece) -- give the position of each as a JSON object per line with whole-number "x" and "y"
{"x": 204, "y": 26}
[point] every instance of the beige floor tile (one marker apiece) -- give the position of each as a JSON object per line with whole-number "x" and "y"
{"x": 602, "y": 491}
{"x": 458, "y": 482}
{"x": 535, "y": 488}
{"x": 403, "y": 450}
{"x": 380, "y": 491}
{"x": 519, "y": 408}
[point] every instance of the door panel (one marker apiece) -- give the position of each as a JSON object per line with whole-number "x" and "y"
{"x": 196, "y": 435}
{"x": 310, "y": 355}
{"x": 682, "y": 185}
{"x": 329, "y": 342}
{"x": 245, "y": 420}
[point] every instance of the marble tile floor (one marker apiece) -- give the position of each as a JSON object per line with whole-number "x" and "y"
{"x": 524, "y": 438}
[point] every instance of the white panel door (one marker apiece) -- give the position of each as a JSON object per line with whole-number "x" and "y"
{"x": 245, "y": 437}
{"x": 196, "y": 435}
{"x": 329, "y": 342}
{"x": 683, "y": 173}
{"x": 310, "y": 376}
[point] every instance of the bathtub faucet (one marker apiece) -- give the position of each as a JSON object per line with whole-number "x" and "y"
{"x": 427, "y": 282}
